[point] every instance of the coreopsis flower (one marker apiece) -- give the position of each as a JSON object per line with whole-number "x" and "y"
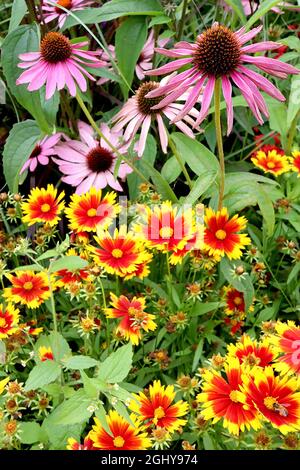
{"x": 75, "y": 445}
{"x": 157, "y": 408}
{"x": 123, "y": 436}
{"x": 53, "y": 12}
{"x": 58, "y": 63}
{"x": 119, "y": 254}
{"x": 9, "y": 319}
{"x": 89, "y": 211}
{"x": 41, "y": 153}
{"x": 220, "y": 235}
{"x": 91, "y": 163}
{"x": 28, "y": 288}
{"x": 134, "y": 319}
{"x": 271, "y": 162}
{"x": 43, "y": 205}
{"x": 234, "y": 301}
{"x": 166, "y": 228}
{"x": 138, "y": 113}
{"x": 222, "y": 399}
{"x": 277, "y": 398}
{"x": 252, "y": 352}
{"x": 3, "y": 384}
{"x": 220, "y": 53}
{"x": 295, "y": 162}
{"x": 45, "y": 354}
{"x": 286, "y": 341}
{"x": 142, "y": 269}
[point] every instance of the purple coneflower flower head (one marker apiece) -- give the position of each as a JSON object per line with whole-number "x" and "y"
{"x": 58, "y": 64}
{"x": 90, "y": 162}
{"x": 52, "y": 12}
{"x": 42, "y": 152}
{"x": 139, "y": 112}
{"x": 221, "y": 53}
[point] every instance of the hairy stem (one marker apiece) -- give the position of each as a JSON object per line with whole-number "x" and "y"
{"x": 219, "y": 141}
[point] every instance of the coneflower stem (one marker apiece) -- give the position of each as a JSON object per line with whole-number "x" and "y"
{"x": 217, "y": 95}
{"x": 114, "y": 149}
{"x": 181, "y": 163}
{"x": 182, "y": 20}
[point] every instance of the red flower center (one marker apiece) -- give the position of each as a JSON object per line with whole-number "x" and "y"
{"x": 145, "y": 104}
{"x": 218, "y": 51}
{"x": 55, "y": 47}
{"x": 100, "y": 159}
{"x": 64, "y": 3}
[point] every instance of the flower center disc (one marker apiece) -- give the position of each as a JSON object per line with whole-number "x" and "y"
{"x": 28, "y": 285}
{"x": 145, "y": 104}
{"x": 45, "y": 208}
{"x": 218, "y": 51}
{"x": 118, "y": 441}
{"x": 99, "y": 159}
{"x": 221, "y": 234}
{"x": 55, "y": 47}
{"x": 166, "y": 232}
{"x": 117, "y": 253}
{"x": 271, "y": 165}
{"x": 63, "y": 3}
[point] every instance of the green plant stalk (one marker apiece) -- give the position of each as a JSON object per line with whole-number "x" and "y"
{"x": 217, "y": 96}
{"x": 181, "y": 163}
{"x": 182, "y": 20}
{"x": 291, "y": 134}
{"x": 52, "y": 302}
{"x": 102, "y": 136}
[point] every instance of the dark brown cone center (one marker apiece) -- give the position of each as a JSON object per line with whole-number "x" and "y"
{"x": 100, "y": 159}
{"x": 145, "y": 104}
{"x": 55, "y": 47}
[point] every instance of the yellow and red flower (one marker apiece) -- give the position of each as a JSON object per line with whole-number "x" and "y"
{"x": 286, "y": 342}
{"x": 75, "y": 445}
{"x": 43, "y": 205}
{"x": 9, "y": 319}
{"x": 194, "y": 244}
{"x": 134, "y": 319}
{"x": 234, "y": 300}
{"x": 28, "y": 288}
{"x": 45, "y": 354}
{"x": 120, "y": 254}
{"x": 271, "y": 162}
{"x": 66, "y": 277}
{"x": 90, "y": 211}
{"x": 123, "y": 435}
{"x": 252, "y": 352}
{"x": 295, "y": 162}
{"x": 142, "y": 269}
{"x": 222, "y": 398}
{"x": 277, "y": 398}
{"x": 166, "y": 228}
{"x": 220, "y": 235}
{"x": 157, "y": 409}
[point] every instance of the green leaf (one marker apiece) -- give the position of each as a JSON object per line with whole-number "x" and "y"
{"x": 42, "y": 374}
{"x": 266, "y": 207}
{"x": 294, "y": 273}
{"x": 115, "y": 9}
{"x": 18, "y": 147}
{"x": 201, "y": 308}
{"x": 122, "y": 410}
{"x": 80, "y": 362}
{"x": 58, "y": 435}
{"x": 241, "y": 283}
{"x": 197, "y": 354}
{"x": 101, "y": 415}
{"x": 74, "y": 410}
{"x": 71, "y": 263}
{"x": 208, "y": 442}
{"x": 31, "y": 432}
{"x": 130, "y": 38}
{"x": 201, "y": 185}
{"x": 18, "y": 11}
{"x": 160, "y": 20}
{"x": 264, "y": 7}
{"x": 171, "y": 170}
{"x": 294, "y": 100}
{"x": 117, "y": 366}
{"x": 149, "y": 155}
{"x": 265, "y": 315}
{"x": 90, "y": 386}
{"x": 237, "y": 6}
{"x": 25, "y": 39}
{"x": 33, "y": 267}
{"x": 162, "y": 186}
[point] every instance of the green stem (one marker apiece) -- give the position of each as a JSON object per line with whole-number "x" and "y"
{"x": 168, "y": 264}
{"x": 102, "y": 136}
{"x": 181, "y": 163}
{"x": 4, "y": 220}
{"x": 292, "y": 133}
{"x": 182, "y": 19}
{"x": 219, "y": 141}
{"x": 52, "y": 302}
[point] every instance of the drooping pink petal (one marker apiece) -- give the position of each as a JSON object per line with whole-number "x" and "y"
{"x": 260, "y": 47}
{"x": 227, "y": 92}
{"x": 143, "y": 136}
{"x": 193, "y": 97}
{"x": 263, "y": 83}
{"x": 206, "y": 100}
{"x": 162, "y": 133}
{"x": 175, "y": 65}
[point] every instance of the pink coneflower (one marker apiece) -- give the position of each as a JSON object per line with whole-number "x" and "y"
{"x": 220, "y": 53}
{"x": 91, "y": 163}
{"x": 51, "y": 12}
{"x": 139, "y": 112}
{"x": 58, "y": 64}
{"x": 41, "y": 152}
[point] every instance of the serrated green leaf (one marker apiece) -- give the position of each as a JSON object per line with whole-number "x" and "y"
{"x": 73, "y": 411}
{"x": 101, "y": 415}
{"x": 117, "y": 366}
{"x": 71, "y": 263}
{"x": 42, "y": 374}
{"x": 80, "y": 362}
{"x": 31, "y": 432}
{"x": 266, "y": 207}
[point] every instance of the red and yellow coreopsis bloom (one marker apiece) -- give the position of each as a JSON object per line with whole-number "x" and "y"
{"x": 75, "y": 445}
{"x": 295, "y": 162}
{"x": 165, "y": 228}
{"x": 220, "y": 234}
{"x": 66, "y": 277}
{"x": 43, "y": 205}
{"x": 286, "y": 342}
{"x": 252, "y": 352}
{"x": 123, "y": 435}
{"x": 277, "y": 398}
{"x": 45, "y": 354}
{"x": 271, "y": 162}
{"x": 142, "y": 269}
{"x": 90, "y": 211}
{"x": 157, "y": 408}
{"x": 119, "y": 254}
{"x": 134, "y": 319}
{"x": 222, "y": 398}
{"x": 9, "y": 319}
{"x": 28, "y": 288}
{"x": 235, "y": 301}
